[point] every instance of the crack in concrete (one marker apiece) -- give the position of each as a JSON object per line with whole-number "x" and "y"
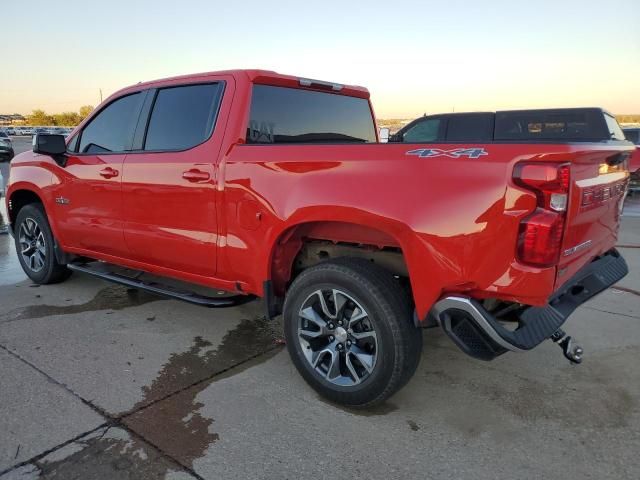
{"x": 241, "y": 347}
{"x": 51, "y": 450}
{"x": 175, "y": 423}
{"x": 625, "y": 289}
{"x": 613, "y": 313}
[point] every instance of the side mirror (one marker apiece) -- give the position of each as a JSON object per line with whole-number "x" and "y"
{"x": 52, "y": 145}
{"x": 46, "y": 144}
{"x": 384, "y": 135}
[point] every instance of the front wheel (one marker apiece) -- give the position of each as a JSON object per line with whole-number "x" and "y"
{"x": 349, "y": 331}
{"x": 34, "y": 245}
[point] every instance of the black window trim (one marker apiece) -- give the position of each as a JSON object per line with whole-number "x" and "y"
{"x": 142, "y": 127}
{"x": 78, "y": 137}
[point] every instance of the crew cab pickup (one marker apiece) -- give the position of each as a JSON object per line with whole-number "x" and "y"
{"x": 274, "y": 186}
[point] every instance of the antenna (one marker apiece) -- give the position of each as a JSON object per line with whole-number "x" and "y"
{"x": 100, "y": 95}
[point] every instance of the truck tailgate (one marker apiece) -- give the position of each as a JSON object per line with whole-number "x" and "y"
{"x": 595, "y": 204}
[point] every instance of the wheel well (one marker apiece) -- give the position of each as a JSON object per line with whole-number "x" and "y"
{"x": 308, "y": 244}
{"x": 19, "y": 199}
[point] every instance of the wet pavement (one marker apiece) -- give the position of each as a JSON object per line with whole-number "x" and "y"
{"x": 103, "y": 382}
{"x": 10, "y": 271}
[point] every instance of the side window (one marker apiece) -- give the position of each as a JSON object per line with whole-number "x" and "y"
{"x": 425, "y": 131}
{"x": 72, "y": 144}
{"x": 111, "y": 129}
{"x": 183, "y": 117}
{"x": 633, "y": 136}
{"x": 470, "y": 128}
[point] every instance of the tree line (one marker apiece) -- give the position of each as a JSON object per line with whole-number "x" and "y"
{"x": 628, "y": 118}
{"x": 71, "y": 119}
{"x": 64, "y": 119}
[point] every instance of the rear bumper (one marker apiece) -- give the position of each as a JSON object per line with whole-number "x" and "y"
{"x": 478, "y": 333}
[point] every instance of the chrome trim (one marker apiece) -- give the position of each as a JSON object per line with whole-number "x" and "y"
{"x": 465, "y": 304}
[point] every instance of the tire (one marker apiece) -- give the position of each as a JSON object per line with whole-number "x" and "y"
{"x": 380, "y": 347}
{"x": 39, "y": 261}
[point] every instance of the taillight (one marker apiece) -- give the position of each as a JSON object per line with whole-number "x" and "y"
{"x": 540, "y": 234}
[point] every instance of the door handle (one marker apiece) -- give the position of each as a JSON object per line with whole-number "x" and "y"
{"x": 109, "y": 172}
{"x": 194, "y": 175}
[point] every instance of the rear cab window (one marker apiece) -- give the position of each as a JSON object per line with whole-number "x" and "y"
{"x": 548, "y": 125}
{"x": 282, "y": 115}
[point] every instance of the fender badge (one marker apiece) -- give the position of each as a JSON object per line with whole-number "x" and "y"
{"x": 475, "y": 152}
{"x": 63, "y": 201}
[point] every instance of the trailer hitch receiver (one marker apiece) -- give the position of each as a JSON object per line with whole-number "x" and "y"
{"x": 571, "y": 350}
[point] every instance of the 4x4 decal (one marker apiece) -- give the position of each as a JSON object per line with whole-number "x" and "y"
{"x": 454, "y": 153}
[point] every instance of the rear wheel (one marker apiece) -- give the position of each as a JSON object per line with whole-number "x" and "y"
{"x": 350, "y": 333}
{"x": 34, "y": 245}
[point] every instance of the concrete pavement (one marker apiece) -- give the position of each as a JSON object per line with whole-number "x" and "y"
{"x": 101, "y": 382}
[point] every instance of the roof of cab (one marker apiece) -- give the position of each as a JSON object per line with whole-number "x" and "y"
{"x": 265, "y": 77}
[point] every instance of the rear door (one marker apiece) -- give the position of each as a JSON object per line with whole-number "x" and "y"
{"x": 470, "y": 127}
{"x": 89, "y": 202}
{"x": 169, "y": 180}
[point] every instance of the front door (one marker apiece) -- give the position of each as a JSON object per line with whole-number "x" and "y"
{"x": 89, "y": 200}
{"x": 168, "y": 185}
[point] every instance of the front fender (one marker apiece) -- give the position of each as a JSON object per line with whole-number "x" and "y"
{"x": 35, "y": 178}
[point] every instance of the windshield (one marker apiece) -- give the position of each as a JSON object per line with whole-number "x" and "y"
{"x": 614, "y": 129}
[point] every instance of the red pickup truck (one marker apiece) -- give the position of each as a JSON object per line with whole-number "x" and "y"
{"x": 273, "y": 186}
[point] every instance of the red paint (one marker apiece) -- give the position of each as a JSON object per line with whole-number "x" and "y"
{"x": 634, "y": 161}
{"x": 230, "y": 215}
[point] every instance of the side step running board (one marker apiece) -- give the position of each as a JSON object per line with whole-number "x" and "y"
{"x": 158, "y": 288}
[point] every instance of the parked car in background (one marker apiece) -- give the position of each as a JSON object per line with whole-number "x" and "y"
{"x": 633, "y": 135}
{"x": 11, "y": 131}
{"x": 565, "y": 124}
{"x": 61, "y": 131}
{"x": 6, "y": 147}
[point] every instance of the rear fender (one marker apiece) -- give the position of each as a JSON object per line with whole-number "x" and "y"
{"x": 357, "y": 228}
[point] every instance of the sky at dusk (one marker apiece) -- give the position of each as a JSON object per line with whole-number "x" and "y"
{"x": 414, "y": 56}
